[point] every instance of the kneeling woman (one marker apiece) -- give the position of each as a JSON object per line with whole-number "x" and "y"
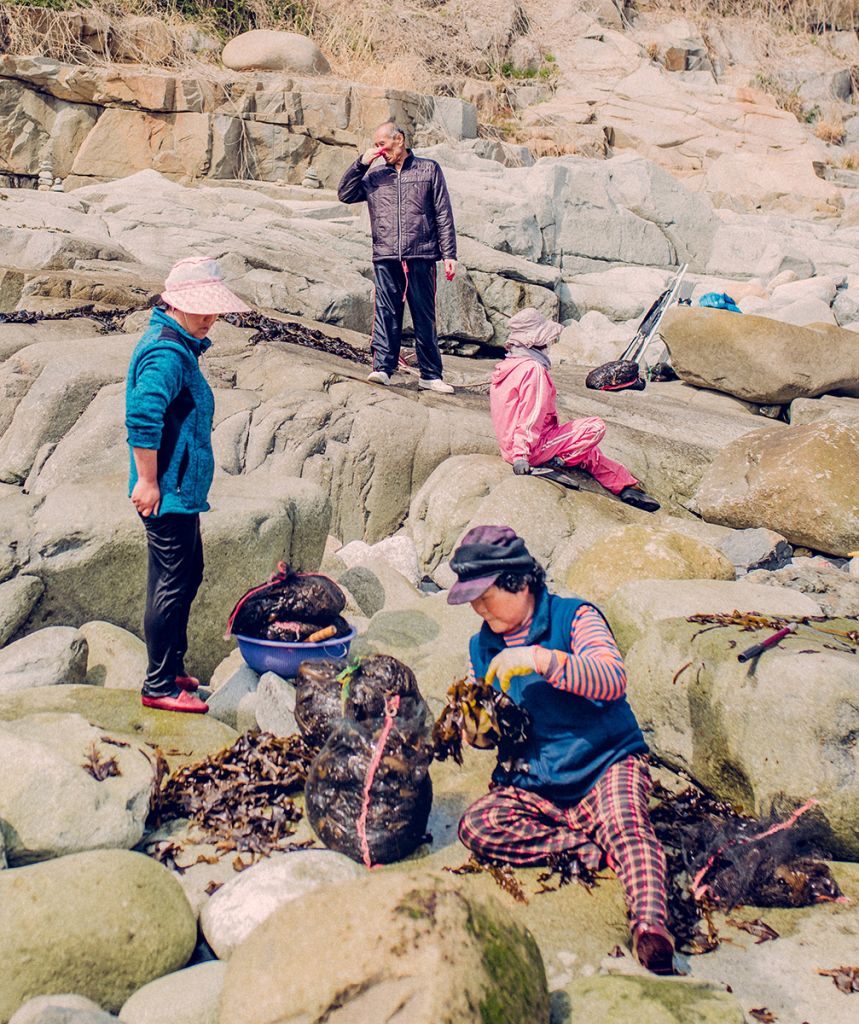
{"x": 582, "y": 783}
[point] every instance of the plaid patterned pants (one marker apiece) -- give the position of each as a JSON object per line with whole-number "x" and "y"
{"x": 610, "y": 825}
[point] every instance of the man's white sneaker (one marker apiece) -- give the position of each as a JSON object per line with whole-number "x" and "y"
{"x": 379, "y": 377}
{"x": 437, "y": 385}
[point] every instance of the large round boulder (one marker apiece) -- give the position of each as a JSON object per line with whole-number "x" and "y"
{"x": 269, "y": 50}
{"x": 101, "y": 924}
{"x": 65, "y": 787}
{"x": 757, "y": 358}
{"x": 246, "y": 901}
{"x": 767, "y": 734}
{"x": 644, "y": 553}
{"x": 800, "y": 481}
{"x": 416, "y": 946}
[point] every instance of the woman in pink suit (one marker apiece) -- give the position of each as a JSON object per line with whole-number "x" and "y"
{"x": 522, "y": 400}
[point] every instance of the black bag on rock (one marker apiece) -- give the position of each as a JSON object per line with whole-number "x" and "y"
{"x": 289, "y": 603}
{"x": 368, "y": 792}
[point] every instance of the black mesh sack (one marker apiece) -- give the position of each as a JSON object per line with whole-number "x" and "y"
{"x": 371, "y": 684}
{"x": 368, "y": 793}
{"x": 318, "y": 703}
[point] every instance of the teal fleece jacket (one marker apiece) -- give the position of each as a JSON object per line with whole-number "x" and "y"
{"x": 169, "y": 406}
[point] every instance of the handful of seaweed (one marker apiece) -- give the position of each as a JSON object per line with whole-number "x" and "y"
{"x": 720, "y": 859}
{"x": 292, "y": 607}
{"x": 368, "y": 792}
{"x": 487, "y": 717}
{"x": 239, "y": 796}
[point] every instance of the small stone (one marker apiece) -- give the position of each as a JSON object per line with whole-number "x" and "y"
{"x": 755, "y": 548}
{"x": 224, "y": 702}
{"x": 61, "y": 1009}
{"x": 48, "y": 657}
{"x": 189, "y": 996}
{"x": 18, "y": 597}
{"x": 275, "y": 705}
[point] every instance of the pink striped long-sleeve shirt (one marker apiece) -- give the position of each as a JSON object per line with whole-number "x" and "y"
{"x": 593, "y": 666}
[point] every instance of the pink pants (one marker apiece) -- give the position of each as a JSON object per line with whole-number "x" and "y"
{"x": 577, "y": 444}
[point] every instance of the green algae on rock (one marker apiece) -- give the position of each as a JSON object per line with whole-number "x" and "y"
{"x": 430, "y": 950}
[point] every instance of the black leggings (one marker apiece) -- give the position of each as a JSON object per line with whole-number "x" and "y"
{"x": 175, "y": 570}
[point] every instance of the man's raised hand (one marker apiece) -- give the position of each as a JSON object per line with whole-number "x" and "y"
{"x": 371, "y": 154}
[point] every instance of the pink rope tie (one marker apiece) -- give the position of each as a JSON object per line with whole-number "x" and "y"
{"x": 698, "y": 890}
{"x": 392, "y": 706}
{"x": 406, "y": 272}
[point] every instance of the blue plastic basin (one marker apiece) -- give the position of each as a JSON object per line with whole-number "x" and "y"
{"x": 284, "y": 658}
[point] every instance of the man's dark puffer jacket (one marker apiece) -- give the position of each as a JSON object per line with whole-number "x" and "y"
{"x": 410, "y": 213}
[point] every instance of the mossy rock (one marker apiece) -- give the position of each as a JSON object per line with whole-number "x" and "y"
{"x": 416, "y": 945}
{"x": 101, "y": 924}
{"x": 644, "y": 553}
{"x": 623, "y": 999}
{"x": 183, "y": 738}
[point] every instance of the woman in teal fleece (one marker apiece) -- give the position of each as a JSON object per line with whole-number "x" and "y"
{"x": 168, "y": 416}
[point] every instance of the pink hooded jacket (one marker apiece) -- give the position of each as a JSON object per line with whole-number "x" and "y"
{"x": 522, "y": 396}
{"x": 522, "y": 401}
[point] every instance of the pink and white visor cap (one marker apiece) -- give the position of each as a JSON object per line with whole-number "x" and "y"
{"x": 196, "y": 285}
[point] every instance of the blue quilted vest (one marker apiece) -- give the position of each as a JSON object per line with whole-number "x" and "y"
{"x": 573, "y": 741}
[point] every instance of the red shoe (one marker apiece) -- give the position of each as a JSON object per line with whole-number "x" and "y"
{"x": 183, "y": 702}
{"x": 190, "y": 683}
{"x": 653, "y": 947}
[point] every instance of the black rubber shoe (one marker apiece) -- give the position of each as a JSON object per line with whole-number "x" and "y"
{"x": 639, "y": 499}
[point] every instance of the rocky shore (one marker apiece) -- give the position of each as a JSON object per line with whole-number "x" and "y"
{"x": 107, "y": 913}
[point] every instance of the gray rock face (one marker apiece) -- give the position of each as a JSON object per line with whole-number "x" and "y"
{"x": 47, "y": 657}
{"x": 18, "y": 597}
{"x": 770, "y": 761}
{"x": 52, "y": 804}
{"x": 405, "y": 921}
{"x": 101, "y": 924}
{"x": 225, "y": 701}
{"x": 189, "y": 996}
{"x": 245, "y": 902}
{"x": 759, "y": 359}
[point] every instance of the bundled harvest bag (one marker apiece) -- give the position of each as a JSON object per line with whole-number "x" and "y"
{"x": 368, "y": 792}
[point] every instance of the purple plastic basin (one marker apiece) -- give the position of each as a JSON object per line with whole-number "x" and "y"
{"x": 284, "y": 658}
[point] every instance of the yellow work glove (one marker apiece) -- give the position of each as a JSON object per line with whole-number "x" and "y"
{"x": 514, "y": 661}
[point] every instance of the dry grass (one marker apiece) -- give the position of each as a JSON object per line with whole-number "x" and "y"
{"x": 831, "y": 131}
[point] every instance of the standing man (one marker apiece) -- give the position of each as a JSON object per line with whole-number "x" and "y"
{"x": 412, "y": 225}
{"x": 168, "y": 417}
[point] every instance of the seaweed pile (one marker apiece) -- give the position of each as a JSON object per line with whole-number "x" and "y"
{"x": 109, "y": 320}
{"x": 240, "y": 798}
{"x": 291, "y": 607}
{"x": 719, "y": 859}
{"x": 486, "y": 717}
{"x": 368, "y": 792}
{"x": 268, "y": 329}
